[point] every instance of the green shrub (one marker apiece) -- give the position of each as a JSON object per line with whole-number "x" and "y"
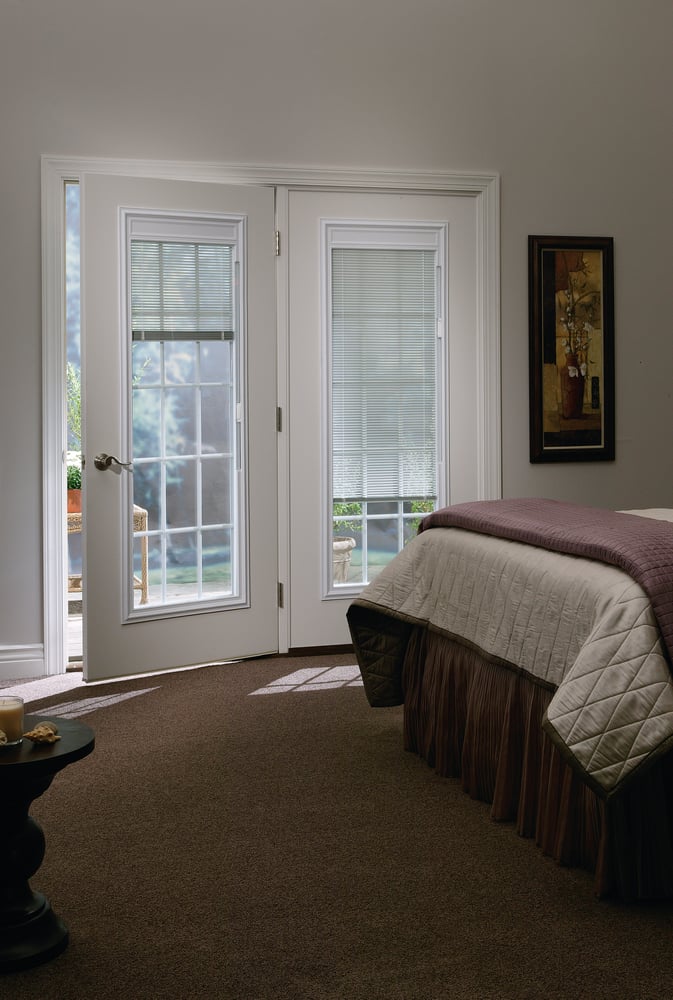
{"x": 73, "y": 406}
{"x": 74, "y": 477}
{"x": 352, "y": 509}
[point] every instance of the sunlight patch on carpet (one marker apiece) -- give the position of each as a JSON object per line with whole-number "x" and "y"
{"x": 314, "y": 679}
{"x": 73, "y": 709}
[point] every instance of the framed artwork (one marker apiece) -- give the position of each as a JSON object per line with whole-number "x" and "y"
{"x": 572, "y": 368}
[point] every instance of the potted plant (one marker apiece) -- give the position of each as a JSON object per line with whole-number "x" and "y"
{"x": 74, "y": 482}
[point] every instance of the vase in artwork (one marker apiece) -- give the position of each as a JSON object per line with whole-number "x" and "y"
{"x": 572, "y": 388}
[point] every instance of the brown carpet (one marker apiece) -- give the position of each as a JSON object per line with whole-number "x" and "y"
{"x": 228, "y": 846}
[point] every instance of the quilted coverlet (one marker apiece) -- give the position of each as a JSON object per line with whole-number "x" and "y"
{"x": 584, "y": 604}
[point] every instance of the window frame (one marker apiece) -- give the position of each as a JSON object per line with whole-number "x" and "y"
{"x": 187, "y": 227}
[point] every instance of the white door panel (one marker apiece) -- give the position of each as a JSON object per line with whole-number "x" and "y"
{"x": 116, "y": 643}
{"x": 314, "y": 618}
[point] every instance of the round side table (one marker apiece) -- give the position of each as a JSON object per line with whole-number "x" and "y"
{"x": 30, "y": 931}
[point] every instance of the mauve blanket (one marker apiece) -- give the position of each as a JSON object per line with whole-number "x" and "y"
{"x": 641, "y": 546}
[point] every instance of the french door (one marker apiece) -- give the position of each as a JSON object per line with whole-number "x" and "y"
{"x": 382, "y": 275}
{"x": 179, "y": 402}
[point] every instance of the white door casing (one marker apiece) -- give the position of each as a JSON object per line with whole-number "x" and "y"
{"x": 116, "y": 643}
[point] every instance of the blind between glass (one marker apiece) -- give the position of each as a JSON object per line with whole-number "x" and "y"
{"x": 384, "y": 374}
{"x": 181, "y": 291}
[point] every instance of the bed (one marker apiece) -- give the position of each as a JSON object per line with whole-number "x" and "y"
{"x": 530, "y": 642}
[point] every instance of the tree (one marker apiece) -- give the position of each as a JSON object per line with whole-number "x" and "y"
{"x": 73, "y": 397}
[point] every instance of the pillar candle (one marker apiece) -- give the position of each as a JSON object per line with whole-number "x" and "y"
{"x": 11, "y": 718}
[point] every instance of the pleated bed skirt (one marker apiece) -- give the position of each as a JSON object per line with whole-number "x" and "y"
{"x": 480, "y": 722}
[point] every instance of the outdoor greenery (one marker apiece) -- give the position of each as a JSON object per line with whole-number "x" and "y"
{"x": 74, "y": 477}
{"x": 73, "y": 403}
{"x": 353, "y": 509}
{"x": 348, "y": 515}
{"x": 420, "y": 507}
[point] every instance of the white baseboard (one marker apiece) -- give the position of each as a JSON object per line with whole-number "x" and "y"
{"x": 19, "y": 662}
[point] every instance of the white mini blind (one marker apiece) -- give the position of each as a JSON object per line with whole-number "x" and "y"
{"x": 384, "y": 373}
{"x": 181, "y": 291}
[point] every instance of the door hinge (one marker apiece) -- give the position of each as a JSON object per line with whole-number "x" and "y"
{"x": 276, "y": 242}
{"x": 281, "y": 595}
{"x": 279, "y": 418}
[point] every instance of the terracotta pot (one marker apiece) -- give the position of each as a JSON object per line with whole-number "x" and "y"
{"x": 74, "y": 501}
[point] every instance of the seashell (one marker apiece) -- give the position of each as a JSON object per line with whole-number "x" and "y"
{"x": 45, "y": 732}
{"x": 3, "y": 737}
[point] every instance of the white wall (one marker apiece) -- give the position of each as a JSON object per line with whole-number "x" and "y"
{"x": 569, "y": 102}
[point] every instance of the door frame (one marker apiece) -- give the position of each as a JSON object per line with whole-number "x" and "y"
{"x": 56, "y": 170}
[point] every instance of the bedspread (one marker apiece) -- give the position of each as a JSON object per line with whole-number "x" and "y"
{"x": 586, "y": 629}
{"x": 642, "y": 546}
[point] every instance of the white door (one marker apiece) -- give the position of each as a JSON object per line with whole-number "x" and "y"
{"x": 179, "y": 375}
{"x": 442, "y": 230}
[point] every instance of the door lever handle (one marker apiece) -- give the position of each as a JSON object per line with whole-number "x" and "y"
{"x": 104, "y": 462}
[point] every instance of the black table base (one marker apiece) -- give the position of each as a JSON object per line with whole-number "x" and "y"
{"x": 37, "y": 939}
{"x": 30, "y": 931}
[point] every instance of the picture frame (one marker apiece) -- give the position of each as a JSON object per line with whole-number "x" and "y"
{"x": 571, "y": 348}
